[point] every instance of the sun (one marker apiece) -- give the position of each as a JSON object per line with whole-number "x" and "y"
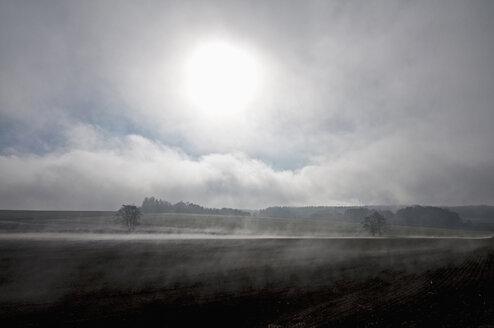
{"x": 221, "y": 77}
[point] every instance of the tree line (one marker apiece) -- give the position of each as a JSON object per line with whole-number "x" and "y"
{"x": 412, "y": 215}
{"x": 374, "y": 219}
{"x": 154, "y": 205}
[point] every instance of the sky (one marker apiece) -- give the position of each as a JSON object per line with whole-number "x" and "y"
{"x": 355, "y": 103}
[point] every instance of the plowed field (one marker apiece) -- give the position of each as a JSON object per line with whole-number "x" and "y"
{"x": 327, "y": 282}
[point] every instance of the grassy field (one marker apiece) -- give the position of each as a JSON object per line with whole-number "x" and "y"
{"x": 107, "y": 222}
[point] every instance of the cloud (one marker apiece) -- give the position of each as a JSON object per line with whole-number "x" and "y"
{"x": 95, "y": 173}
{"x": 380, "y": 102}
{"x": 100, "y": 173}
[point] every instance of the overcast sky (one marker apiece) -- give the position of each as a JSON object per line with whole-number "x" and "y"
{"x": 360, "y": 102}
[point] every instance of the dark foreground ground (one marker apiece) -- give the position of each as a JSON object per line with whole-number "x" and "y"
{"x": 247, "y": 282}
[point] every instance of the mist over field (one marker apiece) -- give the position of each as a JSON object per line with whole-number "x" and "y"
{"x": 82, "y": 268}
{"x": 127, "y": 279}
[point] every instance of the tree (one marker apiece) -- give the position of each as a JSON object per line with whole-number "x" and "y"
{"x": 130, "y": 215}
{"x": 374, "y": 223}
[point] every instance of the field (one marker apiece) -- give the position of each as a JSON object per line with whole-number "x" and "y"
{"x": 193, "y": 271}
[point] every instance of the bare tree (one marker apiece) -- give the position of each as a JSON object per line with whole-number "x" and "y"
{"x": 130, "y": 215}
{"x": 375, "y": 223}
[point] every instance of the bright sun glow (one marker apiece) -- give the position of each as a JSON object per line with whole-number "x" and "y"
{"x": 221, "y": 77}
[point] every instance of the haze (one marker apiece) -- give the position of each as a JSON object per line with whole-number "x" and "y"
{"x": 382, "y": 102}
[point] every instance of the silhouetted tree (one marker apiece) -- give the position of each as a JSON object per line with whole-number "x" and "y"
{"x": 130, "y": 215}
{"x": 374, "y": 223}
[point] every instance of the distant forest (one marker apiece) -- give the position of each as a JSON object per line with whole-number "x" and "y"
{"x": 445, "y": 217}
{"x": 153, "y": 205}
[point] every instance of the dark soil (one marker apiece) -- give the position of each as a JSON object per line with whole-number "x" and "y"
{"x": 246, "y": 283}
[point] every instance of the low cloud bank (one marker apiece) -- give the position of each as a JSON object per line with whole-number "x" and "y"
{"x": 94, "y": 172}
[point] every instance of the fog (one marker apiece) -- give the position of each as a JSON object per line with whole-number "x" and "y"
{"x": 54, "y": 236}
{"x": 85, "y": 268}
{"x": 52, "y": 268}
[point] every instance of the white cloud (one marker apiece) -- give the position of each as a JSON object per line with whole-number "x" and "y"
{"x": 102, "y": 174}
{"x": 98, "y": 175}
